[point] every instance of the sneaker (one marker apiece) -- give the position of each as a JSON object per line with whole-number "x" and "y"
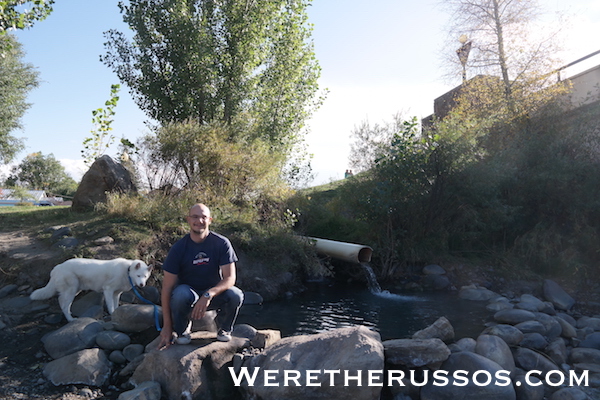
{"x": 223, "y": 336}
{"x": 185, "y": 338}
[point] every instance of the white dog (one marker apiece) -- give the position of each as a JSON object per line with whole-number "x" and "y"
{"x": 110, "y": 277}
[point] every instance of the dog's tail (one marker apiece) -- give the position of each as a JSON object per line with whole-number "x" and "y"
{"x": 43, "y": 293}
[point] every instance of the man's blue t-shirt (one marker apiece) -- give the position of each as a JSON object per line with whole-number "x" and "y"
{"x": 198, "y": 264}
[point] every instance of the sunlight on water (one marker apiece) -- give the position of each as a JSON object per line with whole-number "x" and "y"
{"x": 375, "y": 288}
{"x": 326, "y": 307}
{"x": 393, "y": 296}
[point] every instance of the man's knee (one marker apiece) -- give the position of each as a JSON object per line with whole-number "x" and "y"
{"x": 239, "y": 295}
{"x": 234, "y": 296}
{"x": 182, "y": 296}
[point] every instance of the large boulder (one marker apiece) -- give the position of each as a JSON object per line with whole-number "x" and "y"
{"x": 440, "y": 329}
{"x": 112, "y": 340}
{"x": 415, "y": 353}
{"x": 77, "y": 335}
{"x": 592, "y": 323}
{"x": 511, "y": 335}
{"x": 585, "y": 355}
{"x": 534, "y": 341}
{"x": 194, "y": 371}
{"x": 87, "y": 367}
{"x": 496, "y": 349}
{"x": 531, "y": 327}
{"x": 132, "y": 318}
{"x": 476, "y": 293}
{"x": 557, "y": 295}
{"x": 567, "y": 330}
{"x": 478, "y": 370}
{"x": 528, "y": 360}
{"x": 557, "y": 351}
{"x": 552, "y": 327}
{"x": 298, "y": 366}
{"x": 592, "y": 341}
{"x": 104, "y": 176}
{"x": 530, "y": 303}
{"x": 514, "y": 316}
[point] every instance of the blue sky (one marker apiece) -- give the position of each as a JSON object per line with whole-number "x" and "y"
{"x": 378, "y": 57}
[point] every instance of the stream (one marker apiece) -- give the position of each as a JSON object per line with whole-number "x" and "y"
{"x": 325, "y": 307}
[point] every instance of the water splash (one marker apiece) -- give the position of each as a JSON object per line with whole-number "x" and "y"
{"x": 372, "y": 283}
{"x": 375, "y": 288}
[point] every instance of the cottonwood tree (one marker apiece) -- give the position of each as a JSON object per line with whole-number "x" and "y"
{"x": 40, "y": 172}
{"x": 200, "y": 156}
{"x": 21, "y": 14}
{"x": 507, "y": 41}
{"x": 214, "y": 61}
{"x": 17, "y": 78}
{"x": 372, "y": 141}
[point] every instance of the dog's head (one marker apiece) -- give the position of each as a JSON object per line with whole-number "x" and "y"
{"x": 139, "y": 272}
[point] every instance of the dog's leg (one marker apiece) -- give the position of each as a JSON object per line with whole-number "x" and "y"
{"x": 117, "y": 297}
{"x": 109, "y": 299}
{"x": 65, "y": 299}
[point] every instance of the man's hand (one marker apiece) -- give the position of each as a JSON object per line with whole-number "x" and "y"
{"x": 166, "y": 338}
{"x": 200, "y": 308}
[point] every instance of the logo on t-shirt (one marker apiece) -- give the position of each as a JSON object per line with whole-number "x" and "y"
{"x": 201, "y": 259}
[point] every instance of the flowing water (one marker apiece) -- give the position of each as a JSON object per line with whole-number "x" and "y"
{"x": 325, "y": 307}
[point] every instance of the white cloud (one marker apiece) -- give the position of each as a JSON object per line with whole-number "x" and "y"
{"x": 74, "y": 168}
{"x": 5, "y": 170}
{"x": 347, "y": 106}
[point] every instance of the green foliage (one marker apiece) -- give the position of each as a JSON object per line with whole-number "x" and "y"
{"x": 21, "y": 14}
{"x": 370, "y": 141}
{"x": 481, "y": 115}
{"x": 40, "y": 172}
{"x": 263, "y": 234}
{"x": 555, "y": 183}
{"x": 531, "y": 203}
{"x": 21, "y": 193}
{"x": 16, "y": 80}
{"x": 205, "y": 158}
{"x": 214, "y": 61}
{"x": 101, "y": 139}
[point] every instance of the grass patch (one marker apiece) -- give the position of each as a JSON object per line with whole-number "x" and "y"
{"x": 33, "y": 217}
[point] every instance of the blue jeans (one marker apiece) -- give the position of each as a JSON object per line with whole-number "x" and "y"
{"x": 227, "y": 305}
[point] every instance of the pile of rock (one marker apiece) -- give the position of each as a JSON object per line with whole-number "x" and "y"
{"x": 532, "y": 348}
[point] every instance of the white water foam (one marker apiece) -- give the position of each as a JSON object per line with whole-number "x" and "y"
{"x": 375, "y": 288}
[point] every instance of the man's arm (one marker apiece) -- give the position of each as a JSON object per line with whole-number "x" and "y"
{"x": 166, "y": 334}
{"x": 228, "y": 280}
{"x": 228, "y": 273}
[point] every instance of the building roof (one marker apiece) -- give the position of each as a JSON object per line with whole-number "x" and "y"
{"x": 36, "y": 195}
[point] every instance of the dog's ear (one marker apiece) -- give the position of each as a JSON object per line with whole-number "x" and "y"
{"x": 138, "y": 265}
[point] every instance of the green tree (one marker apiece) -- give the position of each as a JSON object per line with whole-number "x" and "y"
{"x": 371, "y": 141}
{"x": 101, "y": 139}
{"x": 16, "y": 80}
{"x": 200, "y": 157}
{"x": 40, "y": 172}
{"x": 214, "y": 61}
{"x": 21, "y": 193}
{"x": 21, "y": 14}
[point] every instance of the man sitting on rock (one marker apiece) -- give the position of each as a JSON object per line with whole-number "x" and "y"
{"x": 199, "y": 275}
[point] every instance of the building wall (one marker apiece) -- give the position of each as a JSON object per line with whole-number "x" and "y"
{"x": 586, "y": 87}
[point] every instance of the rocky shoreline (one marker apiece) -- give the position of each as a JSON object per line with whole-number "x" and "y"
{"x": 115, "y": 358}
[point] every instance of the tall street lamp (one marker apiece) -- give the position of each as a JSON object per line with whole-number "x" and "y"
{"x": 463, "y": 54}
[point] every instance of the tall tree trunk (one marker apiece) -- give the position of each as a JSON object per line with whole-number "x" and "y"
{"x": 502, "y": 58}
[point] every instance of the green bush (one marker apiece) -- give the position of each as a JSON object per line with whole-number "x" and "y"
{"x": 531, "y": 200}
